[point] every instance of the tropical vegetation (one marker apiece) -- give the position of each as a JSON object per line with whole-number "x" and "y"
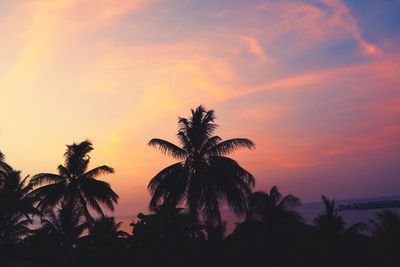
{"x": 64, "y": 218}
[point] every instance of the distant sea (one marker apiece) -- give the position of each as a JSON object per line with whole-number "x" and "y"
{"x": 308, "y": 210}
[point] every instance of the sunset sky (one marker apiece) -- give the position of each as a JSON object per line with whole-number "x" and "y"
{"x": 315, "y": 84}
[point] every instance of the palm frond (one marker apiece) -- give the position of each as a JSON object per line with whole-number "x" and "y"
{"x": 172, "y": 170}
{"x": 45, "y": 178}
{"x": 356, "y": 228}
{"x": 289, "y": 201}
{"x": 169, "y": 186}
{"x": 229, "y": 146}
{"x": 184, "y": 140}
{"x": 211, "y": 142}
{"x": 168, "y": 148}
{"x": 256, "y": 205}
{"x": 49, "y": 195}
{"x": 99, "y": 191}
{"x": 104, "y": 169}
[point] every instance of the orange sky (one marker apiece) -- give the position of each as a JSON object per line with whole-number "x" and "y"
{"x": 315, "y": 84}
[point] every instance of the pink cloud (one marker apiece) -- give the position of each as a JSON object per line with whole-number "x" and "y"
{"x": 254, "y": 47}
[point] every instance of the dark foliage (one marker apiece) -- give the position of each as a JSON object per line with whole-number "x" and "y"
{"x": 204, "y": 177}
{"x": 50, "y": 219}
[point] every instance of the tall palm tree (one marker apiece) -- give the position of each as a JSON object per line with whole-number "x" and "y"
{"x": 75, "y": 183}
{"x": 203, "y": 177}
{"x": 16, "y": 206}
{"x": 272, "y": 206}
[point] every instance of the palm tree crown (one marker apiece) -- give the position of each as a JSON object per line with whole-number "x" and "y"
{"x": 74, "y": 182}
{"x": 204, "y": 176}
{"x": 105, "y": 230}
{"x": 272, "y": 206}
{"x": 329, "y": 222}
{"x": 16, "y": 206}
{"x": 65, "y": 226}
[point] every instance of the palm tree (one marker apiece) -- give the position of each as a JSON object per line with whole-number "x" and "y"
{"x": 4, "y": 167}
{"x": 337, "y": 244}
{"x": 329, "y": 223}
{"x": 74, "y": 182}
{"x": 16, "y": 206}
{"x": 61, "y": 229}
{"x": 105, "y": 242}
{"x": 203, "y": 177}
{"x": 272, "y": 207}
{"x": 386, "y": 234}
{"x": 386, "y": 225}
{"x": 166, "y": 223}
{"x": 105, "y": 231}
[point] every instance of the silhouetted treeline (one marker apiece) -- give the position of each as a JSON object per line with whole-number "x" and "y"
{"x": 58, "y": 219}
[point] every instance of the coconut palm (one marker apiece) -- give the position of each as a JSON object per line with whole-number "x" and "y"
{"x": 329, "y": 223}
{"x": 272, "y": 206}
{"x": 203, "y": 177}
{"x": 386, "y": 234}
{"x": 386, "y": 225}
{"x": 104, "y": 243}
{"x": 336, "y": 243}
{"x": 16, "y": 206}
{"x": 332, "y": 225}
{"x": 61, "y": 229}
{"x": 165, "y": 223}
{"x": 4, "y": 167}
{"x": 105, "y": 231}
{"x": 75, "y": 183}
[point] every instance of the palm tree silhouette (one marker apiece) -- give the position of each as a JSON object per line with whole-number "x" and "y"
{"x": 331, "y": 224}
{"x": 386, "y": 225}
{"x": 62, "y": 228}
{"x": 272, "y": 207}
{"x": 105, "y": 242}
{"x": 16, "y": 206}
{"x": 167, "y": 223}
{"x": 334, "y": 236}
{"x": 105, "y": 231}
{"x": 204, "y": 177}
{"x": 386, "y": 233}
{"x": 3, "y": 165}
{"x": 1, "y": 157}
{"x": 75, "y": 183}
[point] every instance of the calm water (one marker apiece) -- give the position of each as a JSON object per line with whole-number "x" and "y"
{"x": 308, "y": 211}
